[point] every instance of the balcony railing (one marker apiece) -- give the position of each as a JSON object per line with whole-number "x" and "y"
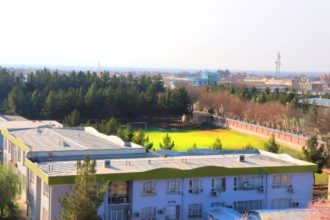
{"x": 118, "y": 199}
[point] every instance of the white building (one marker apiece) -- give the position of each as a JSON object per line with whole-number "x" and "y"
{"x": 160, "y": 185}
{"x": 14, "y": 121}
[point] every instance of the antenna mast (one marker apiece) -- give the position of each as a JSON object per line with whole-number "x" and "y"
{"x": 278, "y": 64}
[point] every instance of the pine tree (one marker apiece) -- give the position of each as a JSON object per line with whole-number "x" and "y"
{"x": 141, "y": 139}
{"x": 167, "y": 144}
{"x": 73, "y": 119}
{"x": 272, "y": 146}
{"x": 248, "y": 146}
{"x": 86, "y": 196}
{"x": 217, "y": 145}
{"x": 315, "y": 153}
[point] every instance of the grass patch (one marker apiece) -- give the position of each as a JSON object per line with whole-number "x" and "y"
{"x": 231, "y": 140}
{"x": 321, "y": 179}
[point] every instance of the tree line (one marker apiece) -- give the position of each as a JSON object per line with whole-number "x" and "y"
{"x": 50, "y": 95}
{"x": 279, "y": 110}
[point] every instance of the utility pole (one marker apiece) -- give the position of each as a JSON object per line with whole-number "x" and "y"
{"x": 278, "y": 65}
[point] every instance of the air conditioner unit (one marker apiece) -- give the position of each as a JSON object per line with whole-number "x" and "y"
{"x": 160, "y": 211}
{"x": 214, "y": 192}
{"x": 295, "y": 204}
{"x": 261, "y": 189}
{"x": 246, "y": 185}
{"x": 290, "y": 189}
{"x": 136, "y": 214}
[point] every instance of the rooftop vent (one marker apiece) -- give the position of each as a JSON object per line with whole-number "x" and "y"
{"x": 241, "y": 158}
{"x": 107, "y": 163}
{"x": 39, "y": 131}
{"x": 62, "y": 143}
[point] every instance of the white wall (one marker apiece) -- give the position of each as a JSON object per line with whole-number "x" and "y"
{"x": 56, "y": 192}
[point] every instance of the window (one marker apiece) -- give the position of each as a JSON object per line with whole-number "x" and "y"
{"x": 119, "y": 192}
{"x": 45, "y": 189}
{"x": 282, "y": 203}
{"x": 281, "y": 181}
{"x": 195, "y": 210}
{"x": 149, "y": 188}
{"x": 247, "y": 205}
{"x": 172, "y": 212}
{"x": 219, "y": 184}
{"x": 248, "y": 183}
{"x": 195, "y": 186}
{"x": 173, "y": 186}
{"x": 148, "y": 213}
{"x": 217, "y": 204}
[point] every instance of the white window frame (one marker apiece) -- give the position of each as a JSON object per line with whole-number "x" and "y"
{"x": 244, "y": 183}
{"x": 173, "y": 186}
{"x": 195, "y": 210}
{"x": 148, "y": 213}
{"x": 219, "y": 184}
{"x": 247, "y": 205}
{"x": 195, "y": 185}
{"x": 148, "y": 188}
{"x": 281, "y": 181}
{"x": 281, "y": 203}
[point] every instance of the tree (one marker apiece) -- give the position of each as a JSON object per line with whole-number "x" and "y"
{"x": 86, "y": 196}
{"x": 73, "y": 119}
{"x": 248, "y": 146}
{"x": 167, "y": 144}
{"x": 141, "y": 139}
{"x": 9, "y": 188}
{"x": 271, "y": 145}
{"x": 319, "y": 209}
{"x": 315, "y": 153}
{"x": 125, "y": 133}
{"x": 217, "y": 145}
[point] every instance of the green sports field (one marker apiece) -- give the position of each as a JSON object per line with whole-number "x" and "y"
{"x": 185, "y": 139}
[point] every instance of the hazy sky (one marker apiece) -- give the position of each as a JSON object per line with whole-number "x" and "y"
{"x": 234, "y": 34}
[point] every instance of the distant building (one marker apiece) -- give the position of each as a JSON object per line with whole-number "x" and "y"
{"x": 162, "y": 185}
{"x": 325, "y": 77}
{"x": 199, "y": 117}
{"x": 206, "y": 78}
{"x": 317, "y": 101}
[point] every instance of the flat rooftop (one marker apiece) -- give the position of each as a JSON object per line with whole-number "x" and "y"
{"x": 257, "y": 159}
{"x": 28, "y": 124}
{"x": 317, "y": 101}
{"x": 46, "y": 139}
{"x": 12, "y": 118}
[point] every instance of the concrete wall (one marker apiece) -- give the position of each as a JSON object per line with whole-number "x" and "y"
{"x": 294, "y": 141}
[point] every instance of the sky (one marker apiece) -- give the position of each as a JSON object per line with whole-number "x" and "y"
{"x": 202, "y": 34}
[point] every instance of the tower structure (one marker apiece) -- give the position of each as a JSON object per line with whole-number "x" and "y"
{"x": 278, "y": 64}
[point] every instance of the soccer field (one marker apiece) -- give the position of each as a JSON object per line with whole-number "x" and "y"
{"x": 185, "y": 139}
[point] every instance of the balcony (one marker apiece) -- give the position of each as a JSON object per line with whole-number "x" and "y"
{"x": 118, "y": 199}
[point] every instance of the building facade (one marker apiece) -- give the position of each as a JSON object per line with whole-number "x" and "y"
{"x": 160, "y": 185}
